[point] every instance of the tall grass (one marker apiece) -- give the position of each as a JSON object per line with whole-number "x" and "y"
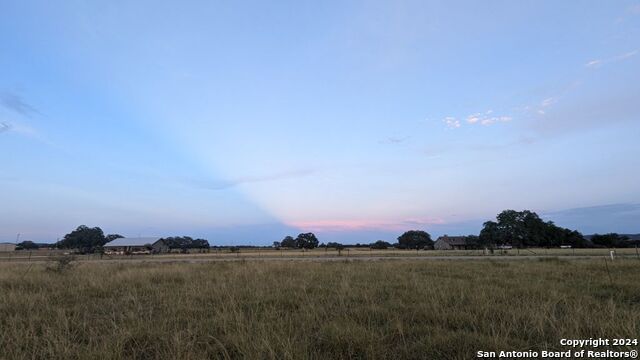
{"x": 299, "y": 310}
{"x": 352, "y": 252}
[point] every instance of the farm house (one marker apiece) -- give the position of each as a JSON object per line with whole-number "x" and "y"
{"x": 141, "y": 245}
{"x": 454, "y": 243}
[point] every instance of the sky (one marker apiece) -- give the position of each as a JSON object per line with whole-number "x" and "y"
{"x": 246, "y": 121}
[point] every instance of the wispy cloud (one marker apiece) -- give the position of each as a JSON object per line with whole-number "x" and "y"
{"x": 486, "y": 118}
{"x": 22, "y": 129}
{"x": 593, "y": 63}
{"x": 599, "y": 62}
{"x": 15, "y": 102}
{"x": 626, "y": 55}
{"x": 548, "y": 102}
{"x": 226, "y": 184}
{"x": 581, "y": 111}
{"x": 541, "y": 109}
{"x": 451, "y": 122}
{"x": 482, "y": 118}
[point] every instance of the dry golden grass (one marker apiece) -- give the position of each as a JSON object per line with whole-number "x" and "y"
{"x": 316, "y": 310}
{"x": 215, "y": 253}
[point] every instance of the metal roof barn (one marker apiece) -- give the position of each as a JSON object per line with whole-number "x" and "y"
{"x": 141, "y": 245}
{"x": 140, "y": 241}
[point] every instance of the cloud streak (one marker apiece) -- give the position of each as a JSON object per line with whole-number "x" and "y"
{"x": 596, "y": 63}
{"x": 487, "y": 118}
{"x": 16, "y": 103}
{"x": 226, "y": 184}
{"x": 541, "y": 109}
{"x": 483, "y": 118}
{"x": 21, "y": 129}
{"x": 582, "y": 111}
{"x": 4, "y": 127}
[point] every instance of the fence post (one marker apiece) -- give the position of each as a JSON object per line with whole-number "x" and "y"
{"x": 608, "y": 272}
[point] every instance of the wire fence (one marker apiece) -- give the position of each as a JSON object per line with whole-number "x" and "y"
{"x": 234, "y": 252}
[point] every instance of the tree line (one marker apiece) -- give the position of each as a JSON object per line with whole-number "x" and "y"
{"x": 518, "y": 229}
{"x": 412, "y": 239}
{"x": 184, "y": 243}
{"x": 513, "y": 228}
{"x": 526, "y": 229}
{"x": 86, "y": 239}
{"x": 302, "y": 241}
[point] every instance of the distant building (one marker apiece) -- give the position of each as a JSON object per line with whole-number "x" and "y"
{"x": 142, "y": 245}
{"x": 455, "y": 243}
{"x": 7, "y": 247}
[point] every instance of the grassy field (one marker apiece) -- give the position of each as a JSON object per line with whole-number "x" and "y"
{"x": 215, "y": 253}
{"x": 312, "y": 310}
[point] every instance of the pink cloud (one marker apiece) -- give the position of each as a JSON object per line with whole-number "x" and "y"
{"x": 355, "y": 225}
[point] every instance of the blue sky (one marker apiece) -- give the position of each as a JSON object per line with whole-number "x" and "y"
{"x": 244, "y": 121}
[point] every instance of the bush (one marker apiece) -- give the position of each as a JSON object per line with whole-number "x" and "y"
{"x": 62, "y": 264}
